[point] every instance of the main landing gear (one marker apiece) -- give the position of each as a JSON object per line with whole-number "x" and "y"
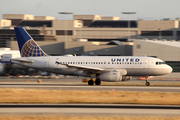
{"x": 147, "y": 82}
{"x": 91, "y": 82}
{"x": 97, "y": 82}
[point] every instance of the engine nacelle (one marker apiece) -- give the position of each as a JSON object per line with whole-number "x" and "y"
{"x": 111, "y": 76}
{"x": 1, "y": 68}
{"x": 126, "y": 78}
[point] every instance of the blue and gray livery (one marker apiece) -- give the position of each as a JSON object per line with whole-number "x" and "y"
{"x": 27, "y": 46}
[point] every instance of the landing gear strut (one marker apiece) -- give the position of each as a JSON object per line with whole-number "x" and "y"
{"x": 147, "y": 82}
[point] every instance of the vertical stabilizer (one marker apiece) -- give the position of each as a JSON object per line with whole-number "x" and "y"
{"x": 27, "y": 46}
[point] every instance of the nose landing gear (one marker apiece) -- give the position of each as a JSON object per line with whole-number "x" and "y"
{"x": 147, "y": 82}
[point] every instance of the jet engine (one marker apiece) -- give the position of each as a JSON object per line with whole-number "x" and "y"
{"x": 1, "y": 68}
{"x": 126, "y": 78}
{"x": 111, "y": 76}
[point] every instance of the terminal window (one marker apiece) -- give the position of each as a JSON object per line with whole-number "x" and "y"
{"x": 63, "y": 32}
{"x": 156, "y": 33}
{"x": 138, "y": 46}
{"x": 175, "y": 65}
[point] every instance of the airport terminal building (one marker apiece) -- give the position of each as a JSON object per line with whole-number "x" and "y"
{"x": 97, "y": 35}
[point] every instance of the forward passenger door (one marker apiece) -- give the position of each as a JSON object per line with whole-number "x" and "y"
{"x": 146, "y": 63}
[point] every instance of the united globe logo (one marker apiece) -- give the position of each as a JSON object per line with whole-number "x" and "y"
{"x": 31, "y": 49}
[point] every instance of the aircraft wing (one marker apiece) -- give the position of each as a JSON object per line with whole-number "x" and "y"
{"x": 86, "y": 69}
{"x": 23, "y": 61}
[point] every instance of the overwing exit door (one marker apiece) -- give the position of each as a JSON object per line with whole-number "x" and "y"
{"x": 46, "y": 62}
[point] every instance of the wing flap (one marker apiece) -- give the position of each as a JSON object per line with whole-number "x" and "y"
{"x": 85, "y": 68}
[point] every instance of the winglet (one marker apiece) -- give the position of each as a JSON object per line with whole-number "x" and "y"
{"x": 27, "y": 46}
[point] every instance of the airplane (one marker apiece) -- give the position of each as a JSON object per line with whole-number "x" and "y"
{"x": 102, "y": 68}
{"x": 8, "y": 51}
{"x": 5, "y": 55}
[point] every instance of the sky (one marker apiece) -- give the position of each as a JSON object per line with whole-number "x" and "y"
{"x": 145, "y": 9}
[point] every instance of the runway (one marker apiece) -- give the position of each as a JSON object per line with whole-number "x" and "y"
{"x": 91, "y": 88}
{"x": 91, "y": 109}
{"x": 85, "y": 109}
{"x": 74, "y": 83}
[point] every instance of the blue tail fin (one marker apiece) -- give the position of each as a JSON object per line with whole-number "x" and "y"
{"x": 27, "y": 46}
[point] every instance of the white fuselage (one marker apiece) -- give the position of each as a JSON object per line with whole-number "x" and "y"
{"x": 132, "y": 65}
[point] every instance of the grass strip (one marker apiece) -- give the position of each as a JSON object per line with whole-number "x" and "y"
{"x": 8, "y": 95}
{"x": 85, "y": 118}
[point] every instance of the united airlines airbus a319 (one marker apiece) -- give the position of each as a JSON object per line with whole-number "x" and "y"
{"x": 107, "y": 68}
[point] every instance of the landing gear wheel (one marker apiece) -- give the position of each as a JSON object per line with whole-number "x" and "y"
{"x": 98, "y": 82}
{"x": 147, "y": 83}
{"x": 90, "y": 82}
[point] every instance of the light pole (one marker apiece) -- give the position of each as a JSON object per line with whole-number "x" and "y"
{"x": 129, "y": 23}
{"x": 65, "y": 13}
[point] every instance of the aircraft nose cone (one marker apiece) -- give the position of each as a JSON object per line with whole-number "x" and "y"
{"x": 170, "y": 69}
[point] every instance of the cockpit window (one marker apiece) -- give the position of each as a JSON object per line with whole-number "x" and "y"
{"x": 160, "y": 63}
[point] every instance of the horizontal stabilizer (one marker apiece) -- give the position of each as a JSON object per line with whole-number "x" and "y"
{"x": 23, "y": 61}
